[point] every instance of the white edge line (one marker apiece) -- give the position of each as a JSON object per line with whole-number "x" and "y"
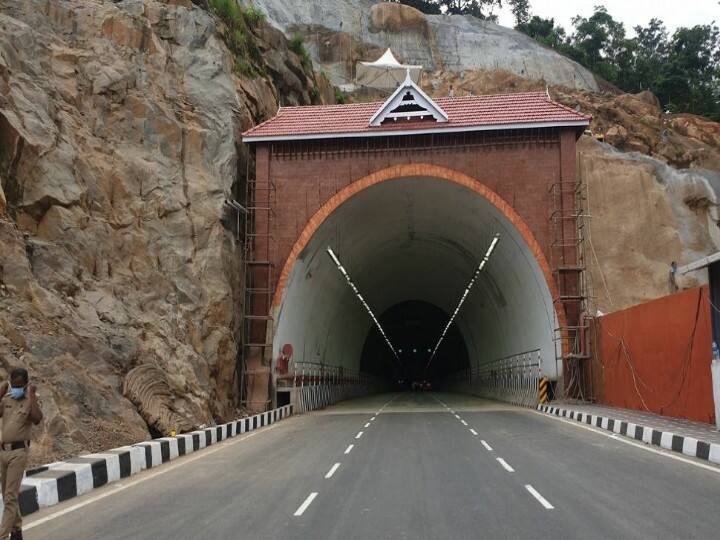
{"x": 113, "y": 489}
{"x": 332, "y": 470}
{"x": 505, "y": 465}
{"x": 623, "y": 439}
{"x": 349, "y": 448}
{"x": 304, "y": 506}
{"x": 542, "y": 500}
{"x": 487, "y": 446}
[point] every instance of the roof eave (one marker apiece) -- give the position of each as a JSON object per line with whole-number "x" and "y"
{"x": 399, "y": 132}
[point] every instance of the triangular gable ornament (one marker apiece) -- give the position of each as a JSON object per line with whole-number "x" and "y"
{"x": 408, "y": 102}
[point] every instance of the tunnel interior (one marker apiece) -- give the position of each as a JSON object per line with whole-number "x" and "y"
{"x": 411, "y": 246}
{"x": 414, "y": 326}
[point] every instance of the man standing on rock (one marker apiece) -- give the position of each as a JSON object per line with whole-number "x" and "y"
{"x": 19, "y": 409}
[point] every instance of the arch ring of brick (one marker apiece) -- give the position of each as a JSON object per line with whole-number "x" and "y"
{"x": 426, "y": 170}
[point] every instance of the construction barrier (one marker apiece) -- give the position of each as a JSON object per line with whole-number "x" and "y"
{"x": 544, "y": 392}
{"x": 514, "y": 379}
{"x": 315, "y": 386}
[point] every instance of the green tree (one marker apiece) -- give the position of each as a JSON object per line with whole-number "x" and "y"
{"x": 544, "y": 31}
{"x": 599, "y": 43}
{"x": 690, "y": 78}
{"x": 651, "y": 53}
{"x": 521, "y": 11}
{"x": 426, "y": 6}
{"x": 470, "y": 7}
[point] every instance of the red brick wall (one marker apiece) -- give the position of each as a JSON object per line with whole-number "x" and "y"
{"x": 519, "y": 172}
{"x": 667, "y": 345}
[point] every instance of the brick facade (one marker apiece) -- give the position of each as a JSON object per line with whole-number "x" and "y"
{"x": 518, "y": 170}
{"x": 514, "y": 170}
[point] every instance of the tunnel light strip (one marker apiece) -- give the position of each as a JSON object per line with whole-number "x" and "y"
{"x": 488, "y": 253}
{"x": 360, "y": 297}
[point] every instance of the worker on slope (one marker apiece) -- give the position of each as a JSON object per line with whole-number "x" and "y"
{"x": 19, "y": 409}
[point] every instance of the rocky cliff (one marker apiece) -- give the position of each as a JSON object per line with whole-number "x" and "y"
{"x": 341, "y": 32}
{"x": 119, "y": 263}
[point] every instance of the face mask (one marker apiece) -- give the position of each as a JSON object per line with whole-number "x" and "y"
{"x": 17, "y": 393}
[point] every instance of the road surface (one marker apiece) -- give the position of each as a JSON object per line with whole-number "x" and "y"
{"x": 404, "y": 466}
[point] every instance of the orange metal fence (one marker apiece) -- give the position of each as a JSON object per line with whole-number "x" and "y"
{"x": 656, "y": 356}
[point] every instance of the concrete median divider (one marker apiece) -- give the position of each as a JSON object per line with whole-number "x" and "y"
{"x": 57, "y": 482}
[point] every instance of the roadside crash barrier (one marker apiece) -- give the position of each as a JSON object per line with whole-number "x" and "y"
{"x": 514, "y": 379}
{"x": 315, "y": 386}
{"x": 57, "y": 482}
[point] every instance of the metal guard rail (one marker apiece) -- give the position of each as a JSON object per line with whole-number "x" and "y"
{"x": 514, "y": 379}
{"x": 318, "y": 385}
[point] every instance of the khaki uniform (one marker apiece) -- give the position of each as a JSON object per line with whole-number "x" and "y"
{"x": 16, "y": 427}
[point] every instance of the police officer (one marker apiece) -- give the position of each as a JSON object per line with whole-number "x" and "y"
{"x": 19, "y": 409}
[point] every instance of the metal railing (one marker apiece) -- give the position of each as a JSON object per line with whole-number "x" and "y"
{"x": 315, "y": 386}
{"x": 513, "y": 379}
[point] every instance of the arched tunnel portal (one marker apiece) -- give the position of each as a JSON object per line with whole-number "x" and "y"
{"x": 411, "y": 244}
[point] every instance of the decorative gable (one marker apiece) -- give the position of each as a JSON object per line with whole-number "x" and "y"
{"x": 408, "y": 102}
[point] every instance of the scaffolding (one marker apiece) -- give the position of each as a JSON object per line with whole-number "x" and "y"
{"x": 260, "y": 199}
{"x": 568, "y": 222}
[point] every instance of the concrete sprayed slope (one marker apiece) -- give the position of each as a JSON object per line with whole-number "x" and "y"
{"x": 457, "y": 42}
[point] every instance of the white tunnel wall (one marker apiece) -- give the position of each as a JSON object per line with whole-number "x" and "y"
{"x": 416, "y": 239}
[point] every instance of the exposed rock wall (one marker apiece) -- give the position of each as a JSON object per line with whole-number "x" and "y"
{"x": 448, "y": 42}
{"x": 120, "y": 279}
{"x": 643, "y": 214}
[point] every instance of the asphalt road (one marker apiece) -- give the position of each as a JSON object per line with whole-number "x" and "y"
{"x": 417, "y": 471}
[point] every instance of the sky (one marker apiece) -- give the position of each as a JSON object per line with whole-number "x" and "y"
{"x": 673, "y": 13}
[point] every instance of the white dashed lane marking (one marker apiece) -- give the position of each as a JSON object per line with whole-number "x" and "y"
{"x": 349, "y": 449}
{"x": 463, "y": 422}
{"x": 332, "y": 470}
{"x": 360, "y": 433}
{"x": 473, "y": 431}
{"x": 367, "y": 425}
{"x": 304, "y": 506}
{"x": 542, "y": 500}
{"x": 487, "y": 446}
{"x": 505, "y": 465}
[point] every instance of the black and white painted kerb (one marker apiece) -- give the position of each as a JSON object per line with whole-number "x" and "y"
{"x": 57, "y": 482}
{"x": 688, "y": 446}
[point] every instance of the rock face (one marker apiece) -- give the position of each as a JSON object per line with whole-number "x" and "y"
{"x": 119, "y": 142}
{"x": 437, "y": 42}
{"x": 644, "y": 214}
{"x": 632, "y": 123}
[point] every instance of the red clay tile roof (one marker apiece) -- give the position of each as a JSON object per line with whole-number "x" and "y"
{"x": 464, "y": 113}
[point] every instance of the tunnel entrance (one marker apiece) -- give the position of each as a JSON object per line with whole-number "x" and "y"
{"x": 409, "y": 201}
{"x": 415, "y": 327}
{"x": 411, "y": 245}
